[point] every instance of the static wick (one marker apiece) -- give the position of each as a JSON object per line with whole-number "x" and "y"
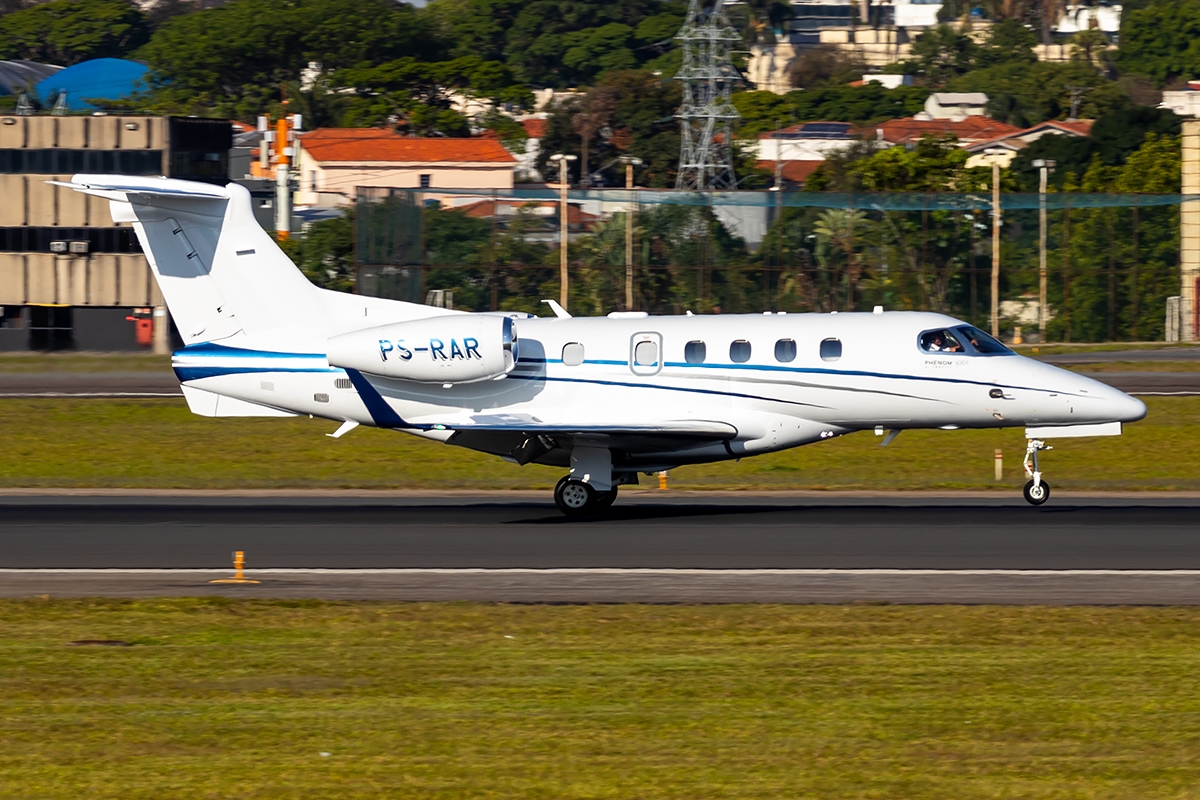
{"x": 239, "y": 564}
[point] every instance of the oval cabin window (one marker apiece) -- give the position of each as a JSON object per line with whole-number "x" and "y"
{"x": 694, "y": 352}
{"x": 645, "y": 354}
{"x": 572, "y": 354}
{"x": 739, "y": 351}
{"x": 785, "y": 350}
{"x": 831, "y": 349}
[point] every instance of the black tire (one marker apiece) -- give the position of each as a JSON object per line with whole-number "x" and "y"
{"x": 606, "y": 499}
{"x": 575, "y": 498}
{"x": 1041, "y": 496}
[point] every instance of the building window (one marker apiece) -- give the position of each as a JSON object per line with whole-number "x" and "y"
{"x": 426, "y": 181}
{"x": 739, "y": 351}
{"x": 785, "y": 350}
{"x": 572, "y": 354}
{"x": 694, "y": 352}
{"x": 831, "y": 349}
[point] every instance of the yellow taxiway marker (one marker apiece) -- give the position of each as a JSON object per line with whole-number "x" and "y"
{"x": 239, "y": 563}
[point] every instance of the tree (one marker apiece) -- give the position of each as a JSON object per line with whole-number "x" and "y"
{"x": 1026, "y": 94}
{"x": 822, "y": 66}
{"x": 941, "y": 54}
{"x": 642, "y": 122}
{"x": 325, "y": 253}
{"x": 232, "y": 60}
{"x": 765, "y": 111}
{"x": 1160, "y": 41}
{"x": 69, "y": 31}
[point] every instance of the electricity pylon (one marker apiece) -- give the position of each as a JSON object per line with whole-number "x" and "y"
{"x": 707, "y": 114}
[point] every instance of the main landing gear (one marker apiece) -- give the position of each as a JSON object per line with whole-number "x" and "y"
{"x": 1037, "y": 491}
{"x": 578, "y": 499}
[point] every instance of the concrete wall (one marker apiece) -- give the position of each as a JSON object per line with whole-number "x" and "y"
{"x": 96, "y": 280}
{"x": 1189, "y": 230}
{"x": 83, "y": 133}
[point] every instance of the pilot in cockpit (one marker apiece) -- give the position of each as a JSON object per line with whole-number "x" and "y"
{"x": 940, "y": 342}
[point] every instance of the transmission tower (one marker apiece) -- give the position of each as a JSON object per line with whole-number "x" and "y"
{"x": 707, "y": 114}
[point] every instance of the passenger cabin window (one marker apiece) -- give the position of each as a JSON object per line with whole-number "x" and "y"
{"x": 572, "y": 354}
{"x": 963, "y": 339}
{"x": 645, "y": 354}
{"x": 694, "y": 352}
{"x": 785, "y": 350}
{"x": 739, "y": 351}
{"x": 831, "y": 349}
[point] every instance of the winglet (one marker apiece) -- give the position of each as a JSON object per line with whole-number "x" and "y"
{"x": 558, "y": 310}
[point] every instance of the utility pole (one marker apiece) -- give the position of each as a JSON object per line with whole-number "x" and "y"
{"x": 1045, "y": 166}
{"x": 563, "y": 277}
{"x": 284, "y": 151}
{"x": 995, "y": 153}
{"x": 630, "y": 162}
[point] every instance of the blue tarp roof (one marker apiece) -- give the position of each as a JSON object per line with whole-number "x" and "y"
{"x": 17, "y": 76}
{"x": 98, "y": 79}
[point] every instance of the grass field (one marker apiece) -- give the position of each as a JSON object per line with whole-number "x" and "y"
{"x": 220, "y": 698}
{"x": 159, "y": 444}
{"x": 83, "y": 362}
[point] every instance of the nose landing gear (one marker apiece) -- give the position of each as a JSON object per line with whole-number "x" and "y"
{"x": 1037, "y": 491}
{"x": 578, "y": 499}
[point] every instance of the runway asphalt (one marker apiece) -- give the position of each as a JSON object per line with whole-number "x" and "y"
{"x": 679, "y": 548}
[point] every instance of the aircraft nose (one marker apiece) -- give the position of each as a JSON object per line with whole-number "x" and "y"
{"x": 1128, "y": 409}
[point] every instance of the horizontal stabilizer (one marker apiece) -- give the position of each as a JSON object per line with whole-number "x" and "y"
{"x": 211, "y": 404}
{"x": 113, "y": 186}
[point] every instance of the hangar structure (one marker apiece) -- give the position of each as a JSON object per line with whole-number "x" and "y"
{"x": 71, "y": 278}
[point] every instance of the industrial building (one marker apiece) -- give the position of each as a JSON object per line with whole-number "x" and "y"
{"x": 71, "y": 278}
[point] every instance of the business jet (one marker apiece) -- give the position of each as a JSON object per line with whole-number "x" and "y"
{"x": 607, "y": 398}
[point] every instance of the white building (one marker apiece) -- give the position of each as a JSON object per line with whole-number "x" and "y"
{"x": 956, "y": 105}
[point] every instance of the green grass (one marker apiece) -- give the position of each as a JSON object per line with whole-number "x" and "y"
{"x": 221, "y": 698}
{"x": 83, "y": 362}
{"x": 1057, "y": 348}
{"x": 99, "y": 443}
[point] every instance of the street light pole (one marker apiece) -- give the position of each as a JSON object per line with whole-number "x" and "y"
{"x": 563, "y": 278}
{"x": 995, "y": 154}
{"x": 630, "y": 162}
{"x": 1045, "y": 166}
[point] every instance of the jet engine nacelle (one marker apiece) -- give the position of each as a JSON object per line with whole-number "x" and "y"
{"x": 457, "y": 348}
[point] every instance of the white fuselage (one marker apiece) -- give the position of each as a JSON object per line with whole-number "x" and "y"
{"x": 881, "y": 378}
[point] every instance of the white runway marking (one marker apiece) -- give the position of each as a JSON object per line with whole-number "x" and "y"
{"x": 1059, "y": 573}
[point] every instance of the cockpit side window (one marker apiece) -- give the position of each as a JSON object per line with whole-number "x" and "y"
{"x": 940, "y": 341}
{"x": 981, "y": 342}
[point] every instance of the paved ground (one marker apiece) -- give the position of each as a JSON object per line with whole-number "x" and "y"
{"x": 696, "y": 548}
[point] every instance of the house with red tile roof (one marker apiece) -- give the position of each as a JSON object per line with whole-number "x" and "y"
{"x": 967, "y": 130}
{"x": 333, "y": 162}
{"x": 1006, "y": 147}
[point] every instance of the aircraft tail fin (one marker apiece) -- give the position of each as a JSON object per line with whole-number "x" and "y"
{"x": 220, "y": 273}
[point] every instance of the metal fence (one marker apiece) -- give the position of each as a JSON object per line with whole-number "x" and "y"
{"x": 1112, "y": 260}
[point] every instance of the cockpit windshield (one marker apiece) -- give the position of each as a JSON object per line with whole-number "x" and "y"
{"x": 980, "y": 342}
{"x": 963, "y": 339}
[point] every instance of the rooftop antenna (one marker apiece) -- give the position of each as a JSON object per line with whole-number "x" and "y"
{"x": 707, "y": 114}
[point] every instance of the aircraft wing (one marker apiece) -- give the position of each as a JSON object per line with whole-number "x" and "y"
{"x": 526, "y": 438}
{"x": 710, "y": 430}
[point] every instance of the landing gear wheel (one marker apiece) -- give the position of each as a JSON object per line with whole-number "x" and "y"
{"x": 1036, "y": 495}
{"x": 606, "y": 499}
{"x": 575, "y": 498}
